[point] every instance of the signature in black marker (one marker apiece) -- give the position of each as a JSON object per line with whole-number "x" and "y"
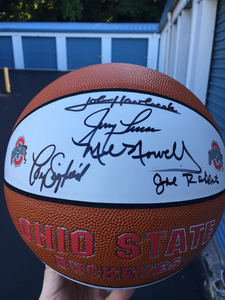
{"x": 121, "y": 100}
{"x": 98, "y": 149}
{"x": 136, "y": 152}
{"x": 161, "y": 183}
{"x": 44, "y": 169}
{"x": 206, "y": 178}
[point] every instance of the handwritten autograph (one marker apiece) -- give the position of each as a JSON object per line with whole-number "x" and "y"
{"x": 49, "y": 177}
{"x": 121, "y": 101}
{"x": 161, "y": 183}
{"x": 100, "y": 149}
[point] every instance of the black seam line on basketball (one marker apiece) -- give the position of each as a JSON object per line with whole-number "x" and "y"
{"x": 117, "y": 89}
{"x": 112, "y": 205}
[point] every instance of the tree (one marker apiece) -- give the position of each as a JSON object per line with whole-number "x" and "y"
{"x": 40, "y": 10}
{"x": 82, "y": 10}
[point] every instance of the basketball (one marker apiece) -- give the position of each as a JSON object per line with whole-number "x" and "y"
{"x": 114, "y": 176}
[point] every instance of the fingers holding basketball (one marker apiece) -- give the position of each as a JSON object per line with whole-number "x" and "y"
{"x": 57, "y": 287}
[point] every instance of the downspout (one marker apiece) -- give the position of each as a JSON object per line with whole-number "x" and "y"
{"x": 169, "y": 17}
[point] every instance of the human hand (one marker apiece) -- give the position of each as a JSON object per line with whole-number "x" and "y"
{"x": 57, "y": 287}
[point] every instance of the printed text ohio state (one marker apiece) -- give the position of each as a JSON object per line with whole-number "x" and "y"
{"x": 128, "y": 246}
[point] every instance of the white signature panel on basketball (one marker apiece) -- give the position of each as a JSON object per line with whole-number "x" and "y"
{"x": 116, "y": 147}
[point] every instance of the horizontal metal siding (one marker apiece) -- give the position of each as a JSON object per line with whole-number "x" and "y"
{"x": 83, "y": 52}
{"x": 216, "y": 90}
{"x": 39, "y": 53}
{"x": 6, "y": 52}
{"x": 132, "y": 51}
{"x": 79, "y": 27}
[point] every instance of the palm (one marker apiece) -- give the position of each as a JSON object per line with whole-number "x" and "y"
{"x": 56, "y": 287}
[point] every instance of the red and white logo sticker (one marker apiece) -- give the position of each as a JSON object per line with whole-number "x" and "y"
{"x": 216, "y": 156}
{"x": 19, "y": 152}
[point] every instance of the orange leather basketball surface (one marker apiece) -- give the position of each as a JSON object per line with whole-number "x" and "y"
{"x": 114, "y": 247}
{"x": 107, "y": 225}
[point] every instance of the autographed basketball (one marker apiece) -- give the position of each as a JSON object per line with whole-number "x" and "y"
{"x": 114, "y": 176}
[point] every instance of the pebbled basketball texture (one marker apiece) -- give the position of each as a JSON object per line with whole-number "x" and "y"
{"x": 116, "y": 76}
{"x": 109, "y": 245}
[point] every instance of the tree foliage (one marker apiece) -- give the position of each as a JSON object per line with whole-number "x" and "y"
{"x": 81, "y": 10}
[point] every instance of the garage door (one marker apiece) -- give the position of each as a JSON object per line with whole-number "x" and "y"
{"x": 82, "y": 52}
{"x": 39, "y": 53}
{"x": 132, "y": 51}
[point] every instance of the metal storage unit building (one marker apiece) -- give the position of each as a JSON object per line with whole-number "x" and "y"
{"x": 69, "y": 46}
{"x": 216, "y": 89}
{"x": 192, "y": 50}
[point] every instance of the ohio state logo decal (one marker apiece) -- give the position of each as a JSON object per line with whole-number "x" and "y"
{"x": 215, "y": 156}
{"x": 19, "y": 152}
